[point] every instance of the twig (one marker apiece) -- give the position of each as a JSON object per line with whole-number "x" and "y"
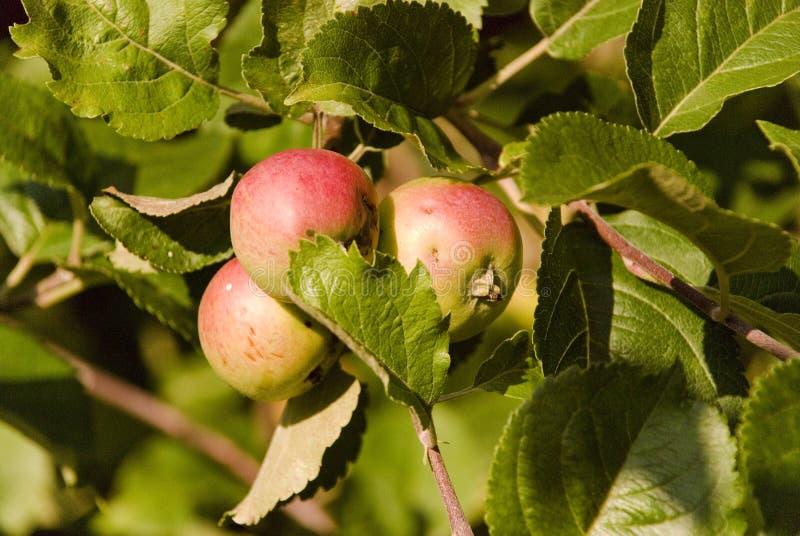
{"x": 356, "y": 154}
{"x": 711, "y": 308}
{"x": 488, "y": 148}
{"x": 161, "y": 416}
{"x": 141, "y": 405}
{"x": 79, "y": 216}
{"x": 459, "y": 526}
{"x": 54, "y": 288}
{"x": 506, "y": 73}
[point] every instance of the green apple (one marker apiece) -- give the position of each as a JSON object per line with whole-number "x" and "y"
{"x": 467, "y": 240}
{"x": 266, "y": 349}
{"x": 293, "y": 195}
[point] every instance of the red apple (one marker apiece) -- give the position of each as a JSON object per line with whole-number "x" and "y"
{"x": 266, "y": 349}
{"x": 293, "y": 195}
{"x": 467, "y": 240}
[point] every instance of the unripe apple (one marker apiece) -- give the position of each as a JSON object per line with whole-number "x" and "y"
{"x": 293, "y": 195}
{"x": 266, "y": 349}
{"x": 467, "y": 240}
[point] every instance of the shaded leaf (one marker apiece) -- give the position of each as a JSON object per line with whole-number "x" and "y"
{"x": 39, "y": 137}
{"x": 245, "y": 117}
{"x": 174, "y": 168}
{"x": 407, "y": 66}
{"x": 148, "y": 66}
{"x": 575, "y": 27}
{"x": 59, "y": 421}
{"x": 575, "y": 156}
{"x": 591, "y": 309}
{"x": 310, "y": 425}
{"x": 164, "y": 487}
{"x": 783, "y": 139}
{"x": 504, "y": 515}
{"x": 511, "y": 370}
{"x": 770, "y": 447}
{"x": 165, "y": 296}
{"x": 387, "y": 318}
{"x": 612, "y": 450}
{"x": 174, "y": 235}
{"x": 686, "y": 58}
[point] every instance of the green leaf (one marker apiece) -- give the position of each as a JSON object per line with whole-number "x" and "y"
{"x": 663, "y": 244}
{"x": 165, "y": 296}
{"x": 686, "y": 58}
{"x": 511, "y": 370}
{"x": 575, "y": 156}
{"x": 33, "y": 222}
{"x": 147, "y": 66}
{"x": 39, "y": 137}
{"x": 27, "y": 486}
{"x": 770, "y": 447}
{"x": 174, "y": 235}
{"x": 175, "y": 168}
{"x": 273, "y": 68}
{"x": 575, "y": 27}
{"x": 783, "y": 139}
{"x": 162, "y": 486}
{"x": 610, "y": 450}
{"x": 407, "y": 65}
{"x": 591, "y": 309}
{"x": 504, "y": 514}
{"x": 40, "y": 395}
{"x": 310, "y": 425}
{"x": 387, "y": 318}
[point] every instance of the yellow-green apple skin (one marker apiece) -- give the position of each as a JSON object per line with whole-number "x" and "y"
{"x": 292, "y": 195}
{"x": 264, "y": 348}
{"x": 465, "y": 237}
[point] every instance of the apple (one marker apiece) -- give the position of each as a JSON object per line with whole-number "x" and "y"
{"x": 467, "y": 240}
{"x": 295, "y": 194}
{"x": 266, "y": 349}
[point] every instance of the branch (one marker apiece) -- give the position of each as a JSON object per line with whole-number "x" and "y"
{"x": 459, "y": 526}
{"x": 143, "y": 406}
{"x": 711, "y": 308}
{"x": 55, "y": 288}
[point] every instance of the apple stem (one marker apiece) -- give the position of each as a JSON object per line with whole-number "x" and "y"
{"x": 318, "y": 135}
{"x": 459, "y": 526}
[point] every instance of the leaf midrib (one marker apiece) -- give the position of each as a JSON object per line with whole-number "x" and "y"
{"x": 602, "y": 506}
{"x": 677, "y": 107}
{"x": 147, "y": 50}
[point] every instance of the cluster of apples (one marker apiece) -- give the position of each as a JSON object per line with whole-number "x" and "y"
{"x": 265, "y": 346}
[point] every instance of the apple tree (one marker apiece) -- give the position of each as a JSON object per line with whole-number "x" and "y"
{"x": 469, "y": 267}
